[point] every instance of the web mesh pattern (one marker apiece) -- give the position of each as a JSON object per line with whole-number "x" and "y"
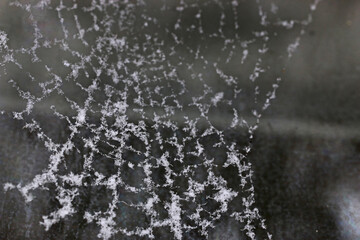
{"x": 141, "y": 87}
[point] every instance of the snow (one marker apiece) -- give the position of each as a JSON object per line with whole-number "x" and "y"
{"x": 143, "y": 102}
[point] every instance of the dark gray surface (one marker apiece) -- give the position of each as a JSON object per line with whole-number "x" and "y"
{"x": 306, "y": 152}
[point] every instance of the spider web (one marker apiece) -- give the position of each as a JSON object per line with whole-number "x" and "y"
{"x": 149, "y": 90}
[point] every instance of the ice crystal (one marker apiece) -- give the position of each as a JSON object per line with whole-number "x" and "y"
{"x": 139, "y": 85}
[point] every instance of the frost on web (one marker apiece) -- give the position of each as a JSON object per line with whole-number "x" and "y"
{"x": 162, "y": 91}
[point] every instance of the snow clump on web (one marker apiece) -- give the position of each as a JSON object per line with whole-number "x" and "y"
{"x": 160, "y": 101}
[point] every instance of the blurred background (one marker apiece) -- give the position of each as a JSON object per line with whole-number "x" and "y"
{"x": 306, "y": 151}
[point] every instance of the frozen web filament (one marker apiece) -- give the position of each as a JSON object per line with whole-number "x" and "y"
{"x": 139, "y": 86}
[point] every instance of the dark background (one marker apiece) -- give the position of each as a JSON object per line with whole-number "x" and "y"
{"x": 306, "y": 152}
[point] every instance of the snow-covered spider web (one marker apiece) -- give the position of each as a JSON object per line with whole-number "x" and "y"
{"x": 145, "y": 89}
